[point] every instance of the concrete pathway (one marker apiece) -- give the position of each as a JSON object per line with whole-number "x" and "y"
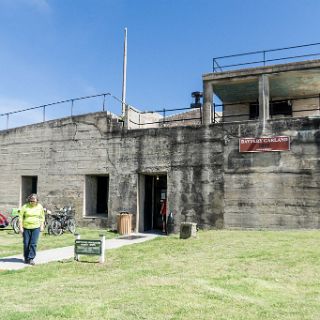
{"x": 16, "y": 262}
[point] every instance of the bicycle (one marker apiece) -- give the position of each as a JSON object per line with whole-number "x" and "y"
{"x": 61, "y": 221}
{"x": 15, "y": 219}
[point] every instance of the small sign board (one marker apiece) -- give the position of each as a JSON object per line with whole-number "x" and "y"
{"x": 264, "y": 144}
{"x": 88, "y": 247}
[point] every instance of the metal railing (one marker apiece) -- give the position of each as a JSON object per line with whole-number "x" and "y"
{"x": 263, "y": 57}
{"x": 45, "y": 106}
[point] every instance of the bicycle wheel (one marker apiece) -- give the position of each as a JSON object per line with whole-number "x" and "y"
{"x": 15, "y": 224}
{"x": 55, "y": 228}
{"x": 71, "y": 225}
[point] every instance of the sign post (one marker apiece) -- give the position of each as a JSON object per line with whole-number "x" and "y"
{"x": 103, "y": 247}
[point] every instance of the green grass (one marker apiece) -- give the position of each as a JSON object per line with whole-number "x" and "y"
{"x": 11, "y": 243}
{"x": 218, "y": 275}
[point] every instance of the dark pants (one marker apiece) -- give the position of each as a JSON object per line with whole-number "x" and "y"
{"x": 30, "y": 241}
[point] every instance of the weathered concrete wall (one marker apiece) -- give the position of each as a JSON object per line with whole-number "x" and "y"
{"x": 139, "y": 119}
{"x": 192, "y": 117}
{"x": 209, "y": 182}
{"x": 142, "y": 120}
{"x": 236, "y": 112}
{"x": 275, "y": 189}
{"x": 305, "y": 107}
{"x": 62, "y": 153}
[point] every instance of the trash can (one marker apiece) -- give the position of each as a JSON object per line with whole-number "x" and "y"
{"x": 124, "y": 222}
{"x": 187, "y": 230}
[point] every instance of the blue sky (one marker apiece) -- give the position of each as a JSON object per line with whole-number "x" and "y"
{"x": 53, "y": 50}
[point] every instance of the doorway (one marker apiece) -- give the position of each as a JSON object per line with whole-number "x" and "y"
{"x": 96, "y": 195}
{"x": 155, "y": 193}
{"x": 29, "y": 184}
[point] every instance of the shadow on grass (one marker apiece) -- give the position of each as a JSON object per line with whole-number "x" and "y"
{"x": 86, "y": 261}
{"x": 8, "y": 230}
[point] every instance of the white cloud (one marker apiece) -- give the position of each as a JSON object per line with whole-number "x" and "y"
{"x": 40, "y": 5}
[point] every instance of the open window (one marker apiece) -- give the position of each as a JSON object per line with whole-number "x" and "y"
{"x": 277, "y": 108}
{"x": 96, "y": 195}
{"x": 254, "y": 110}
{"x": 281, "y": 108}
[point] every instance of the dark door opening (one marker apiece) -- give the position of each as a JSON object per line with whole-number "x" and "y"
{"x": 102, "y": 194}
{"x": 29, "y": 184}
{"x": 155, "y": 193}
{"x": 97, "y": 194}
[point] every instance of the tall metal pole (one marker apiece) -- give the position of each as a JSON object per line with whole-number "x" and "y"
{"x": 124, "y": 80}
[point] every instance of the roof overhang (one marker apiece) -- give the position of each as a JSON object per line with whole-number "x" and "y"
{"x": 286, "y": 81}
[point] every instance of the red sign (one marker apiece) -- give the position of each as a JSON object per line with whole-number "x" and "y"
{"x": 264, "y": 144}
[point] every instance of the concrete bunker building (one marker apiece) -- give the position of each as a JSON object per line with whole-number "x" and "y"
{"x": 102, "y": 166}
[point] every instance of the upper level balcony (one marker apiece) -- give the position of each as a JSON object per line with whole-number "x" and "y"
{"x": 261, "y": 91}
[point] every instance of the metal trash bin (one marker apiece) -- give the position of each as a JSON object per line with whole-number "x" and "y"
{"x": 124, "y": 223}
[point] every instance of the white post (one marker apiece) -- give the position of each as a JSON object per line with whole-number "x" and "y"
{"x": 124, "y": 80}
{"x": 76, "y": 256}
{"x": 103, "y": 248}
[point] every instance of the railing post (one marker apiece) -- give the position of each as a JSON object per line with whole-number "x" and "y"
{"x": 164, "y": 116}
{"x": 77, "y": 256}
{"x": 44, "y": 113}
{"x": 104, "y": 99}
{"x": 72, "y": 107}
{"x": 264, "y": 58}
{"x": 214, "y": 112}
{"x": 213, "y": 67}
{"x": 7, "y": 121}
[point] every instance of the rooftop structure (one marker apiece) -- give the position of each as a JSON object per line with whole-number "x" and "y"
{"x": 264, "y": 93}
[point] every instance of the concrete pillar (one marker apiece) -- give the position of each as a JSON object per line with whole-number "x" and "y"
{"x": 207, "y": 103}
{"x": 126, "y": 116}
{"x": 264, "y": 108}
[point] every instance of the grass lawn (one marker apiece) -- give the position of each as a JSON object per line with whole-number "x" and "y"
{"x": 218, "y": 275}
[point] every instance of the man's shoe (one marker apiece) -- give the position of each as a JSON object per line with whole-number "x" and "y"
{"x": 31, "y": 262}
{"x": 26, "y": 261}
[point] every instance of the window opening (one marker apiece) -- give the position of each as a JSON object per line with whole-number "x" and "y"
{"x": 97, "y": 195}
{"x": 281, "y": 107}
{"x": 254, "y": 110}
